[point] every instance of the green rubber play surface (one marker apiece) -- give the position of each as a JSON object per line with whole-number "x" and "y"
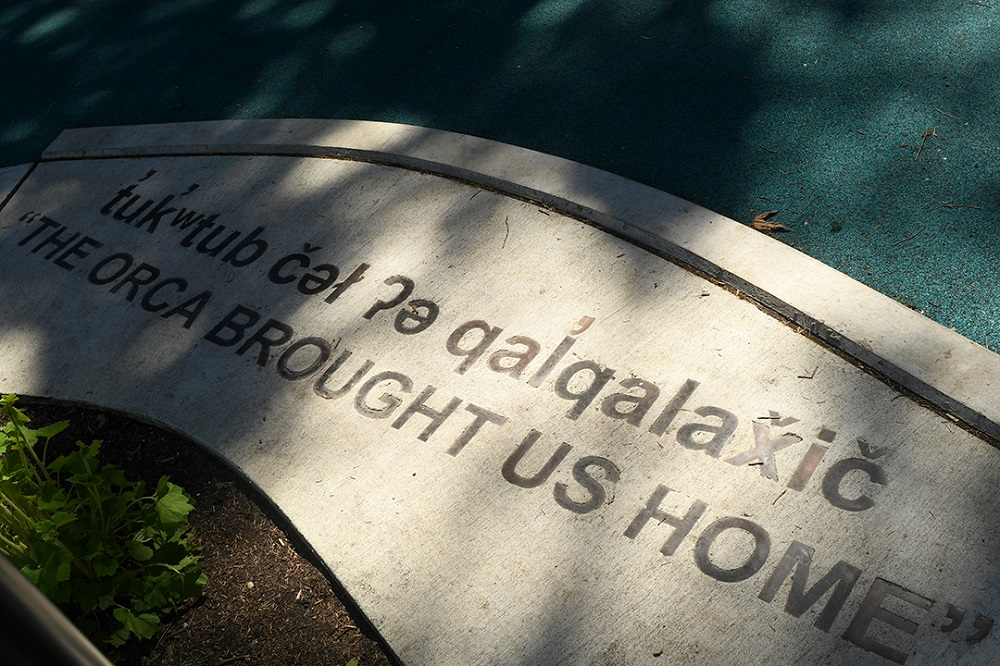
{"x": 870, "y": 126}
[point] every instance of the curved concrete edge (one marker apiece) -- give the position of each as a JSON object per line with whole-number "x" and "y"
{"x": 942, "y": 367}
{"x": 248, "y": 485}
{"x": 10, "y": 178}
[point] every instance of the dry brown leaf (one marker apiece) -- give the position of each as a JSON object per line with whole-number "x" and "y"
{"x": 760, "y": 223}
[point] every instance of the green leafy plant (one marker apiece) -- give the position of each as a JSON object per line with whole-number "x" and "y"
{"x": 114, "y": 558}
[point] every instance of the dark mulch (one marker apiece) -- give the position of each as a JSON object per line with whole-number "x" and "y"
{"x": 265, "y": 603}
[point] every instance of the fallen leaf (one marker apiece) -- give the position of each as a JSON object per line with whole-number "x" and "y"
{"x": 760, "y": 223}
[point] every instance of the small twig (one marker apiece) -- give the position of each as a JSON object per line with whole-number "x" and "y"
{"x": 943, "y": 113}
{"x": 810, "y": 375}
{"x": 948, "y": 204}
{"x": 779, "y": 496}
{"x": 230, "y": 660}
{"x": 507, "y": 233}
{"x": 923, "y": 140}
{"x": 910, "y": 237}
{"x": 768, "y": 150}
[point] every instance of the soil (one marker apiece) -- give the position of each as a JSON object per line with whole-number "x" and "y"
{"x": 265, "y": 603}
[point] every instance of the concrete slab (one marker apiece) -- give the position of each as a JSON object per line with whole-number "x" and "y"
{"x": 10, "y": 177}
{"x": 514, "y": 436}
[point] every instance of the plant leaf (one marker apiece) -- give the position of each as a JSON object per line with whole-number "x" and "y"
{"x": 50, "y": 497}
{"x": 52, "y": 429}
{"x": 114, "y": 476}
{"x": 140, "y": 551}
{"x": 144, "y": 625}
{"x": 55, "y": 569}
{"x": 172, "y": 505}
{"x": 105, "y": 566}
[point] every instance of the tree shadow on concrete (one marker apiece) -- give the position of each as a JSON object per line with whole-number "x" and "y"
{"x": 425, "y": 226}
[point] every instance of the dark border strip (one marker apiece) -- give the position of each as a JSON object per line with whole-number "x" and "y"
{"x": 883, "y": 369}
{"x": 20, "y": 182}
